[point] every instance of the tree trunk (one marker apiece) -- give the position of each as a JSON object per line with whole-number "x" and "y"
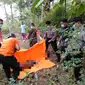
{"x": 42, "y": 14}
{"x": 53, "y": 2}
{"x": 11, "y": 12}
{"x": 7, "y": 18}
{"x": 46, "y": 7}
{"x": 20, "y": 14}
{"x": 28, "y": 4}
{"x": 65, "y": 9}
{"x": 5, "y": 11}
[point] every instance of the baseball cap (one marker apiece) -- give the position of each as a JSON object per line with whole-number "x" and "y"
{"x": 11, "y": 35}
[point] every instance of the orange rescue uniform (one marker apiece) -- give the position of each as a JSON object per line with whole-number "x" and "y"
{"x": 8, "y": 46}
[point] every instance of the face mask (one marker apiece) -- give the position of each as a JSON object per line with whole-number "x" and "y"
{"x": 62, "y": 25}
{"x": 31, "y": 26}
{"x": 1, "y": 25}
{"x": 74, "y": 26}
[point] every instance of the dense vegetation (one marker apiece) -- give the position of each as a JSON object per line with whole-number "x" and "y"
{"x": 38, "y": 12}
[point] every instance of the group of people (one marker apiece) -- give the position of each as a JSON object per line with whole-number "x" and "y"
{"x": 72, "y": 43}
{"x": 71, "y": 39}
{"x": 9, "y": 46}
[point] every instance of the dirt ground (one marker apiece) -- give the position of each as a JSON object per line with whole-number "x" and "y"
{"x": 52, "y": 76}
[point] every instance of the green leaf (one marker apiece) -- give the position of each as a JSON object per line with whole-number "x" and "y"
{"x": 35, "y": 3}
{"x": 81, "y": 9}
{"x": 61, "y": 1}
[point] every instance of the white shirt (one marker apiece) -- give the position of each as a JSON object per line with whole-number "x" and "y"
{"x": 23, "y": 27}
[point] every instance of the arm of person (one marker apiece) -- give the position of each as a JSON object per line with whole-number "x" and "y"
{"x": 54, "y": 37}
{"x": 45, "y": 35}
{"x": 83, "y": 36}
{"x": 17, "y": 47}
{"x": 38, "y": 35}
{"x": 60, "y": 38}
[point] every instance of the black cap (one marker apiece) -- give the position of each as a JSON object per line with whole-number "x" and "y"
{"x": 11, "y": 35}
{"x": 64, "y": 20}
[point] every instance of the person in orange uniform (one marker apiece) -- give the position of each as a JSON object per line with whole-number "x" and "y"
{"x": 7, "y": 58}
{"x": 7, "y": 49}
